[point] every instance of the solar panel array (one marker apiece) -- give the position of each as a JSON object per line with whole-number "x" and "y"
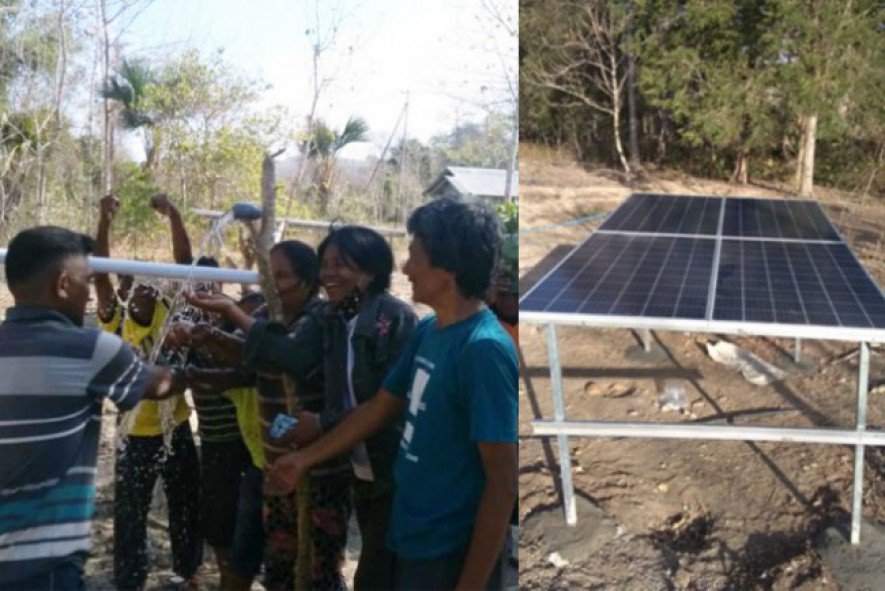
{"x": 714, "y": 259}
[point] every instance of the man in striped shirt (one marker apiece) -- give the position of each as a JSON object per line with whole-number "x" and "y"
{"x": 54, "y": 376}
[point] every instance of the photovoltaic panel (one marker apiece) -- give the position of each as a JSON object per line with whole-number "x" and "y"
{"x": 719, "y": 264}
{"x": 666, "y": 214}
{"x": 629, "y": 275}
{"x": 795, "y": 283}
{"x": 769, "y": 218}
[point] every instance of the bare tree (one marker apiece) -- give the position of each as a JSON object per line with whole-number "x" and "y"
{"x": 506, "y": 20}
{"x": 584, "y": 63}
{"x": 323, "y": 38}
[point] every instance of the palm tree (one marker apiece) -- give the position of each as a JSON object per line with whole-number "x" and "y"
{"x": 323, "y": 149}
{"x": 128, "y": 87}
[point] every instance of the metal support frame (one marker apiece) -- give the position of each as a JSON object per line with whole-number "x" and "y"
{"x": 646, "y": 340}
{"x": 797, "y": 351}
{"x": 565, "y": 461}
{"x": 562, "y": 429}
{"x": 863, "y": 379}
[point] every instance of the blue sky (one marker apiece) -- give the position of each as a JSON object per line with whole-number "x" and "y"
{"x": 450, "y": 56}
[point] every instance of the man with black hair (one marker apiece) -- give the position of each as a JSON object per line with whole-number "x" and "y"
{"x": 54, "y": 376}
{"x": 456, "y": 383}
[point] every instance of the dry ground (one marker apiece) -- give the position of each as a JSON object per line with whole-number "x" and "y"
{"x": 657, "y": 514}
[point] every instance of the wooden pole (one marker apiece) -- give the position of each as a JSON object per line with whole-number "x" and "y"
{"x": 263, "y": 239}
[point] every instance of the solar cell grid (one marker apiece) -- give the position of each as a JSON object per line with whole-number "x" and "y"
{"x": 767, "y": 218}
{"x": 795, "y": 283}
{"x": 665, "y": 214}
{"x": 629, "y": 275}
{"x": 777, "y": 263}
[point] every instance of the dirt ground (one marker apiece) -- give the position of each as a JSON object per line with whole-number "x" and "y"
{"x": 686, "y": 515}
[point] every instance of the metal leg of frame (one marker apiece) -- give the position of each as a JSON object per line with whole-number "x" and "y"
{"x": 646, "y": 340}
{"x": 565, "y": 463}
{"x": 797, "y": 351}
{"x": 862, "y": 387}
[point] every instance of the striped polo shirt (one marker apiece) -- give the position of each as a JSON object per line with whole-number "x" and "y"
{"x": 53, "y": 378}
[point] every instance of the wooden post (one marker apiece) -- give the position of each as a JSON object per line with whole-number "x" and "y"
{"x": 263, "y": 239}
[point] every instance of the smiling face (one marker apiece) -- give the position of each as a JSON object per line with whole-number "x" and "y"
{"x": 143, "y": 302}
{"x": 428, "y": 283}
{"x": 339, "y": 277}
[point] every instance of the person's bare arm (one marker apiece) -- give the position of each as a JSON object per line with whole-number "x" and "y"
{"x": 500, "y": 464}
{"x": 365, "y": 420}
{"x": 181, "y": 243}
{"x": 104, "y": 290}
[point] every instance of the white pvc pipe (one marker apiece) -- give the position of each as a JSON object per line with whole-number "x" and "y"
{"x": 717, "y": 432}
{"x": 165, "y": 270}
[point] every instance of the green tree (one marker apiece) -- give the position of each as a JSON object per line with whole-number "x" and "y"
{"x": 214, "y": 137}
{"x": 129, "y": 88}
{"x": 323, "y": 150}
{"x": 712, "y": 66}
{"x": 828, "y": 51}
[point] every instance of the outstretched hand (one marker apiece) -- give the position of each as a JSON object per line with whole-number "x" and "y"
{"x": 213, "y": 302}
{"x": 218, "y": 347}
{"x": 285, "y": 474}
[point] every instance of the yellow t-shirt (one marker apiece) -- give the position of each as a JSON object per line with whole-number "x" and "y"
{"x": 147, "y": 417}
{"x": 246, "y": 402}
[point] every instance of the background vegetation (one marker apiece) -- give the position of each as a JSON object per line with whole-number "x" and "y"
{"x": 742, "y": 89}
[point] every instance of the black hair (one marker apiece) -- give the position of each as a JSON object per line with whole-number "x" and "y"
{"x": 302, "y": 260}
{"x": 462, "y": 238}
{"x": 365, "y": 249}
{"x": 35, "y": 251}
{"x": 208, "y": 261}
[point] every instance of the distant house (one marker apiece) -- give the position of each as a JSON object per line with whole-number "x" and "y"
{"x": 483, "y": 184}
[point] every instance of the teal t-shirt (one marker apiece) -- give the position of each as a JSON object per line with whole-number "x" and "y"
{"x": 459, "y": 383}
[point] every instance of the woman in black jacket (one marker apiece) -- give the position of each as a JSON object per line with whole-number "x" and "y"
{"x": 364, "y": 330}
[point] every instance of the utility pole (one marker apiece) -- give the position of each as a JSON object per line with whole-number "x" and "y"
{"x": 404, "y": 155}
{"x": 514, "y": 146}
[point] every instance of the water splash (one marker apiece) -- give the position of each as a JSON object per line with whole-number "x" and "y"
{"x": 211, "y": 244}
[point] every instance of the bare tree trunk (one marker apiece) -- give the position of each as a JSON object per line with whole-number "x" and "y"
{"x": 616, "y": 121}
{"x": 741, "y": 168}
{"x": 108, "y": 154}
{"x": 263, "y": 239}
{"x": 806, "y": 160}
{"x": 631, "y": 96}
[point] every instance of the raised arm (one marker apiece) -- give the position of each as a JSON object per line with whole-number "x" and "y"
{"x": 104, "y": 290}
{"x": 181, "y": 243}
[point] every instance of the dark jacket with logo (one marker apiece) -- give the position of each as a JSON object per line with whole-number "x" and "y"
{"x": 383, "y": 326}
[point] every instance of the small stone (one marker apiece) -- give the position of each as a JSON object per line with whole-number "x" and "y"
{"x": 556, "y": 560}
{"x": 663, "y": 488}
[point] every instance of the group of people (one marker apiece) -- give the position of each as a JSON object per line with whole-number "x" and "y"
{"x": 409, "y": 424}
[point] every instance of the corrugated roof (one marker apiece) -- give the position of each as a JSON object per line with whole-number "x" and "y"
{"x": 479, "y": 182}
